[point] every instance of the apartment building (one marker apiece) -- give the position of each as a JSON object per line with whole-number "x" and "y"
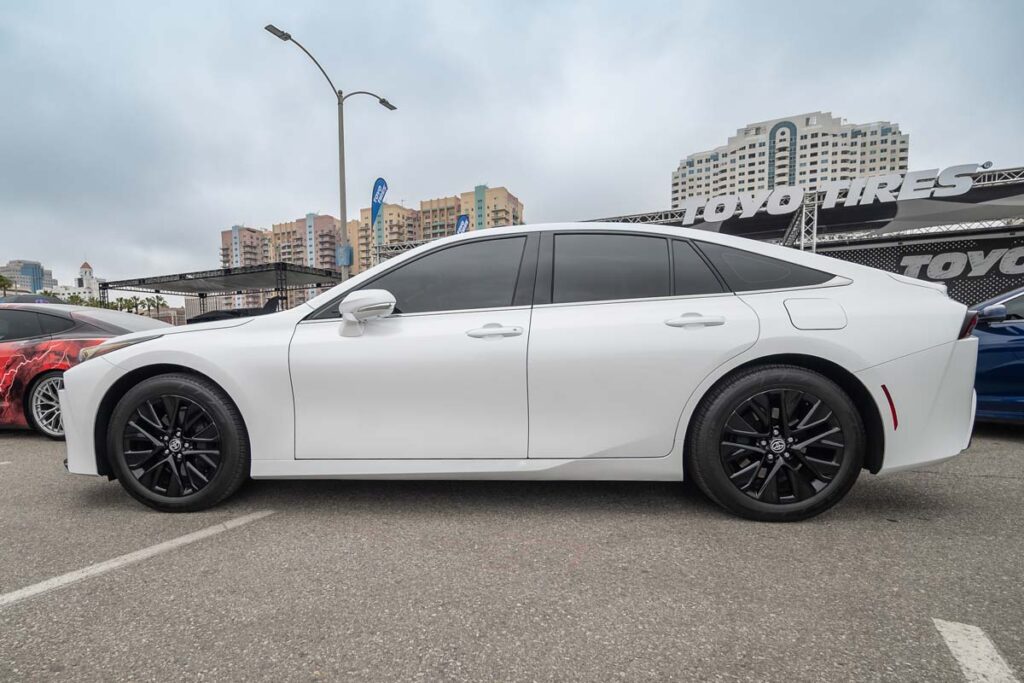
{"x": 491, "y": 207}
{"x": 803, "y": 151}
{"x": 395, "y": 224}
{"x": 244, "y": 246}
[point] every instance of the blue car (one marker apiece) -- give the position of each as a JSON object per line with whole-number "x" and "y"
{"x": 1000, "y": 377}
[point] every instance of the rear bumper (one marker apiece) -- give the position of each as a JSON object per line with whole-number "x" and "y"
{"x": 933, "y": 398}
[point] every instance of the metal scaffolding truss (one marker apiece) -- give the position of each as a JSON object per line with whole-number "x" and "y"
{"x": 382, "y": 252}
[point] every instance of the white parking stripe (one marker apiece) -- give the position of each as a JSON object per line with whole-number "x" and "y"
{"x": 975, "y": 653}
{"x": 5, "y": 462}
{"x": 137, "y": 556}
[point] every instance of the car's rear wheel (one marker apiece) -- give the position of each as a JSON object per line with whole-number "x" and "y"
{"x": 177, "y": 443}
{"x": 776, "y": 443}
{"x": 44, "y": 404}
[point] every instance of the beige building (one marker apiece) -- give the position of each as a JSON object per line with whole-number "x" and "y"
{"x": 486, "y": 207}
{"x": 491, "y": 207}
{"x": 397, "y": 224}
{"x": 311, "y": 241}
{"x": 239, "y": 247}
{"x": 803, "y": 151}
{"x": 438, "y": 217}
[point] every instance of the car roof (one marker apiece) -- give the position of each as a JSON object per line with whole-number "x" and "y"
{"x": 62, "y": 310}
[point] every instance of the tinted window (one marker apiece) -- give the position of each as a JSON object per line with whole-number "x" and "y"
{"x": 745, "y": 271}
{"x": 18, "y": 325}
{"x": 602, "y": 267}
{"x": 51, "y": 324}
{"x": 691, "y": 273}
{"x": 479, "y": 274}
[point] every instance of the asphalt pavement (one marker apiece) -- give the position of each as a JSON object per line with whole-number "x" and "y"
{"x": 482, "y": 581}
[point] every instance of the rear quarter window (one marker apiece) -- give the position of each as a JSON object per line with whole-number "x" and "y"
{"x": 746, "y": 271}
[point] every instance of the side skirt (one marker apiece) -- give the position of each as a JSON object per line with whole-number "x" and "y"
{"x": 668, "y": 468}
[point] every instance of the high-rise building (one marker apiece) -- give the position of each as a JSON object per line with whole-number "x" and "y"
{"x": 438, "y": 217}
{"x": 395, "y": 224}
{"x": 803, "y": 151}
{"x": 243, "y": 246}
{"x": 486, "y": 207}
{"x": 28, "y": 276}
{"x": 491, "y": 207}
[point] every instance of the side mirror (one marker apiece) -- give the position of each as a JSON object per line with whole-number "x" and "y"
{"x": 363, "y": 305}
{"x": 996, "y": 313}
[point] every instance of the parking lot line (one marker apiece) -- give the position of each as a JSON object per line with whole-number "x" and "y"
{"x": 5, "y": 462}
{"x": 123, "y": 560}
{"x": 975, "y": 653}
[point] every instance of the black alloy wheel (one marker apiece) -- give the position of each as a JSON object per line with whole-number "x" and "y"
{"x": 177, "y": 442}
{"x": 776, "y": 443}
{"x": 782, "y": 446}
{"x": 172, "y": 446}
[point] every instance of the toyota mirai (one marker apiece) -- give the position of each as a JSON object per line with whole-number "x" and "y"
{"x": 770, "y": 377}
{"x": 38, "y": 343}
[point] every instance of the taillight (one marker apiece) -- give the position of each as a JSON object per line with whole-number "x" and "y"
{"x": 970, "y": 320}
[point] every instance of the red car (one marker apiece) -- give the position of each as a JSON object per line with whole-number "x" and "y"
{"x": 38, "y": 342}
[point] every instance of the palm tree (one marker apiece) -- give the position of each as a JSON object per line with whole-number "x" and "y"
{"x": 75, "y": 300}
{"x": 5, "y": 284}
{"x": 149, "y": 303}
{"x": 122, "y": 304}
{"x": 134, "y": 303}
{"x": 159, "y": 301}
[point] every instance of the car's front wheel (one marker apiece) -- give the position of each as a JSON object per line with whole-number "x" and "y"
{"x": 776, "y": 443}
{"x": 177, "y": 443}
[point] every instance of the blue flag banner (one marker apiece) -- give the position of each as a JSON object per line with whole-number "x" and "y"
{"x": 380, "y": 188}
{"x": 462, "y": 224}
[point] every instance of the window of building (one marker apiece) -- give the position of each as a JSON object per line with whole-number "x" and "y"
{"x": 746, "y": 271}
{"x": 595, "y": 267}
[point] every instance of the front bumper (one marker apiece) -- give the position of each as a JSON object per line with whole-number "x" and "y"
{"x": 84, "y": 388}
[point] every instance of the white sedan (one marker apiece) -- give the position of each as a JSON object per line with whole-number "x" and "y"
{"x": 768, "y": 376}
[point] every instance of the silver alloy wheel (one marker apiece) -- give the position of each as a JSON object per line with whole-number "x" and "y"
{"x": 46, "y": 406}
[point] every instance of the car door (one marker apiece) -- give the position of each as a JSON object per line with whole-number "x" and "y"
{"x": 1000, "y": 376}
{"x": 624, "y": 328}
{"x": 20, "y": 335}
{"x": 444, "y": 377}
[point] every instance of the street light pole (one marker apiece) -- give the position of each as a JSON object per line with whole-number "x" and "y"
{"x": 341, "y": 97}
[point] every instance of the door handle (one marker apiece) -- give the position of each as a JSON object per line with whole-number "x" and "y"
{"x": 491, "y": 330}
{"x": 696, "y": 320}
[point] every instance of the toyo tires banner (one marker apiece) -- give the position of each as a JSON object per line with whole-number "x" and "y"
{"x": 973, "y": 268}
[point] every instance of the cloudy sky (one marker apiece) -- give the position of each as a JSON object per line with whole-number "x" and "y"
{"x": 132, "y": 133}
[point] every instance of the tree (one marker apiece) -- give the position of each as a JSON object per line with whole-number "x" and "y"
{"x": 121, "y": 303}
{"x": 159, "y": 301}
{"x": 149, "y": 303}
{"x": 134, "y": 303}
{"x": 5, "y": 284}
{"x": 75, "y": 300}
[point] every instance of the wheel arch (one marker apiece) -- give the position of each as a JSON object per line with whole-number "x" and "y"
{"x": 847, "y": 381}
{"x": 117, "y": 390}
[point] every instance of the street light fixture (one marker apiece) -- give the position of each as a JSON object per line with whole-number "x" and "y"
{"x": 341, "y": 97}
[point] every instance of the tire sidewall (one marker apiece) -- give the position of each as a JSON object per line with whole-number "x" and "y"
{"x": 706, "y": 456}
{"x": 234, "y": 446}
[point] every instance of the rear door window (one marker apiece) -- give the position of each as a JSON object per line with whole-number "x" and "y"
{"x": 16, "y": 325}
{"x": 606, "y": 267}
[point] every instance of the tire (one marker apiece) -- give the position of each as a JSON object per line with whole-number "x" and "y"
{"x": 737, "y": 459}
{"x": 177, "y": 443}
{"x": 42, "y": 407}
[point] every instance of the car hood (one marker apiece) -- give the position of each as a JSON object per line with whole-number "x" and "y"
{"x": 182, "y": 329}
